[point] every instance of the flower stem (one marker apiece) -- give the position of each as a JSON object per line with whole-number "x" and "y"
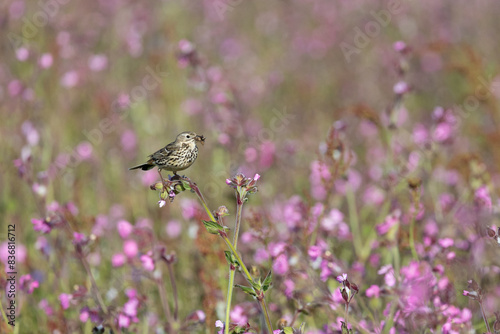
{"x": 238, "y": 258}
{"x": 229, "y": 297}
{"x": 266, "y": 315}
{"x": 354, "y": 222}
{"x": 412, "y": 238}
{"x": 202, "y": 200}
{"x": 232, "y": 272}
{"x": 346, "y": 313}
{"x": 412, "y": 227}
{"x": 174, "y": 289}
{"x": 484, "y": 317}
{"x": 235, "y": 254}
{"x": 239, "y": 210}
{"x": 163, "y": 297}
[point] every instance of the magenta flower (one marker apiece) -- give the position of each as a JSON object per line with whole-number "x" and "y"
{"x": 118, "y": 260}
{"x": 483, "y": 199}
{"x": 70, "y": 79}
{"x": 341, "y": 278}
{"x": 219, "y": 324}
{"x": 28, "y": 284}
{"x": 46, "y": 60}
{"x": 446, "y": 242}
{"x": 173, "y": 228}
{"x": 332, "y": 220}
{"x": 399, "y": 46}
{"x": 238, "y": 315}
{"x": 44, "y": 305}
{"x": 267, "y": 152}
{"x": 79, "y": 238}
{"x": 41, "y": 225}
{"x": 147, "y": 262}
{"x": 261, "y": 255}
{"x": 389, "y": 222}
{"x": 442, "y": 132}
{"x": 128, "y": 141}
{"x": 123, "y": 321}
{"x": 97, "y": 62}
{"x": 280, "y": 265}
{"x": 130, "y": 307}
{"x": 124, "y": 228}
{"x": 84, "y": 314}
{"x": 373, "y": 291}
{"x": 84, "y": 150}
{"x": 289, "y": 288}
{"x": 65, "y": 300}
{"x": 130, "y": 248}
{"x": 401, "y": 88}
{"x": 22, "y": 54}
{"x": 314, "y": 252}
{"x": 250, "y": 155}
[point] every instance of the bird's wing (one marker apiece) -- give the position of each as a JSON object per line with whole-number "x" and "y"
{"x": 163, "y": 152}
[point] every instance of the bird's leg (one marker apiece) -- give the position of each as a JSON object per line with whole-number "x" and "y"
{"x": 176, "y": 176}
{"x": 161, "y": 177}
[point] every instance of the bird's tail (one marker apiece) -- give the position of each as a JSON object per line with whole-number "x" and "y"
{"x": 145, "y": 166}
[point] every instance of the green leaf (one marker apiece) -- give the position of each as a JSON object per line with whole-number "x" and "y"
{"x": 267, "y": 281}
{"x": 288, "y": 330}
{"x": 247, "y": 290}
{"x": 256, "y": 284}
{"x": 213, "y": 227}
{"x": 230, "y": 258}
{"x": 186, "y": 185}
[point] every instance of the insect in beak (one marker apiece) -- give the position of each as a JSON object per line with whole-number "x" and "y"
{"x": 200, "y": 138}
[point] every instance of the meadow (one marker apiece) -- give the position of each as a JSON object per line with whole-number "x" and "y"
{"x": 349, "y": 180}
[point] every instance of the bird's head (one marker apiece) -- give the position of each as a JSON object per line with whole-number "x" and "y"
{"x": 190, "y": 137}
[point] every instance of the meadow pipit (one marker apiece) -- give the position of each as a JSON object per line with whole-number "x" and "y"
{"x": 176, "y": 156}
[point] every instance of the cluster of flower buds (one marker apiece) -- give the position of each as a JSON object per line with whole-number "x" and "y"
{"x": 496, "y": 324}
{"x": 475, "y": 293}
{"x": 349, "y": 290}
{"x": 243, "y": 185}
{"x": 80, "y": 240}
{"x": 187, "y": 55}
{"x": 494, "y": 234}
{"x": 168, "y": 258}
{"x": 222, "y": 211}
{"x": 168, "y": 189}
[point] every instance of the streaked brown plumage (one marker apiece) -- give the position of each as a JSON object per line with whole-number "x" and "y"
{"x": 176, "y": 156}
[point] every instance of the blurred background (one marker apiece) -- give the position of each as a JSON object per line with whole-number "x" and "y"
{"x": 89, "y": 89}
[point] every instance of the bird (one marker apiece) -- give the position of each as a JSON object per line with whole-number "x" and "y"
{"x": 176, "y": 156}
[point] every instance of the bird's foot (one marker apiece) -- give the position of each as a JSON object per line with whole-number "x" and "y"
{"x": 175, "y": 177}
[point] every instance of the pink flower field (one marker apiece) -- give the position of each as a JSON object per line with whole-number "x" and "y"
{"x": 348, "y": 181}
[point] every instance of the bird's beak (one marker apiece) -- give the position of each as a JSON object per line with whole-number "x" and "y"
{"x": 200, "y": 138}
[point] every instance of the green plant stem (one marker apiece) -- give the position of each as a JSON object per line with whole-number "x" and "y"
{"x": 236, "y": 255}
{"x": 354, "y": 222}
{"x": 163, "y": 298}
{"x": 239, "y": 210}
{"x": 174, "y": 290}
{"x": 484, "y": 317}
{"x": 4, "y": 316}
{"x": 412, "y": 238}
{"x": 390, "y": 319}
{"x": 95, "y": 289}
{"x": 346, "y": 314}
{"x": 202, "y": 200}
{"x": 232, "y": 272}
{"x": 266, "y": 315}
{"x": 229, "y": 297}
{"x": 238, "y": 258}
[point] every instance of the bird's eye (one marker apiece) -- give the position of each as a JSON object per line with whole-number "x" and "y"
{"x": 188, "y": 136}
